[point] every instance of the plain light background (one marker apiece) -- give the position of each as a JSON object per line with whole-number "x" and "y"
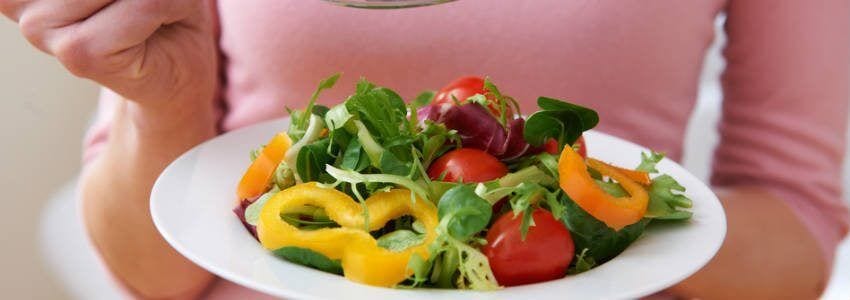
{"x": 43, "y": 115}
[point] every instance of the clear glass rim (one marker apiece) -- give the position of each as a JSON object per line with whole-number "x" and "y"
{"x": 386, "y": 4}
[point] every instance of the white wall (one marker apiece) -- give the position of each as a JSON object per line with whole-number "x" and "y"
{"x": 43, "y": 112}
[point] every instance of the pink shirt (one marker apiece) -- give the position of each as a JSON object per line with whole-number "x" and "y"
{"x": 636, "y": 62}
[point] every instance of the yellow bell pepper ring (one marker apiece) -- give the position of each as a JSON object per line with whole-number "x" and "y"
{"x": 577, "y": 183}
{"x": 362, "y": 259}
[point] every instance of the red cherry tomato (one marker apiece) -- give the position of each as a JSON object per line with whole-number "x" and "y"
{"x": 551, "y": 147}
{"x": 468, "y": 165}
{"x": 545, "y": 254}
{"x": 463, "y": 88}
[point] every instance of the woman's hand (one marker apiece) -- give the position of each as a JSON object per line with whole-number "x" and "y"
{"x": 160, "y": 59}
{"x": 148, "y": 51}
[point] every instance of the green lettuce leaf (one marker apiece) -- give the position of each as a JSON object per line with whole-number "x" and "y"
{"x": 648, "y": 162}
{"x": 666, "y": 201}
{"x": 400, "y": 239}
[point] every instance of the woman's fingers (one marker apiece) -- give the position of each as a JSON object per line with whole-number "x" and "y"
{"x": 12, "y": 8}
{"x": 39, "y": 20}
{"x": 86, "y": 36}
{"x": 143, "y": 49}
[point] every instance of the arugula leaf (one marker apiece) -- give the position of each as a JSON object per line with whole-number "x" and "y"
{"x": 562, "y": 121}
{"x": 602, "y": 242}
{"x": 522, "y": 202}
{"x": 423, "y": 99}
{"x": 299, "y": 119}
{"x": 666, "y": 200}
{"x": 648, "y": 161}
{"x": 453, "y": 260}
{"x": 582, "y": 263}
{"x": 493, "y": 90}
{"x": 420, "y": 267}
{"x": 530, "y": 174}
{"x": 400, "y": 239}
{"x": 494, "y": 190}
{"x": 309, "y": 258}
{"x": 474, "y": 268}
{"x": 436, "y": 138}
{"x": 463, "y": 213}
{"x": 549, "y": 162}
{"x": 354, "y": 177}
{"x": 326, "y": 83}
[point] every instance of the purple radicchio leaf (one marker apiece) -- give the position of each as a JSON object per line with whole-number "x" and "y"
{"x": 239, "y": 210}
{"x": 479, "y": 129}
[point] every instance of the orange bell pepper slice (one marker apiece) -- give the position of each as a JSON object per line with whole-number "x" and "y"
{"x": 577, "y": 183}
{"x": 638, "y": 176}
{"x": 256, "y": 179}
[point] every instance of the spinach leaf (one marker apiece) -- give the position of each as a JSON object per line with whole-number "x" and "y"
{"x": 602, "y": 242}
{"x": 379, "y": 157}
{"x": 543, "y": 125}
{"x": 309, "y": 258}
{"x": 589, "y": 118}
{"x": 559, "y": 120}
{"x": 354, "y": 158}
{"x": 463, "y": 212}
{"x": 312, "y": 159}
{"x": 400, "y": 239}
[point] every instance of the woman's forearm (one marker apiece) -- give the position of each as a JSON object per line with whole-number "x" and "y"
{"x": 115, "y": 191}
{"x": 767, "y": 254}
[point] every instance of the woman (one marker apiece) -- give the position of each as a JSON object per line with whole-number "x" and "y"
{"x": 177, "y": 73}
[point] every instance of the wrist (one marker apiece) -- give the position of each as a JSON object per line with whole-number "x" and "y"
{"x": 156, "y": 134}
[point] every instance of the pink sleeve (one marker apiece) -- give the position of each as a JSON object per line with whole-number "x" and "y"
{"x": 98, "y": 134}
{"x": 785, "y": 107}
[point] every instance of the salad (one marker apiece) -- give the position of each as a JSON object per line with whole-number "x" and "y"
{"x": 455, "y": 189}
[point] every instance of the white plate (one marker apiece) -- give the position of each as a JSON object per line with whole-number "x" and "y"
{"x": 193, "y": 199}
